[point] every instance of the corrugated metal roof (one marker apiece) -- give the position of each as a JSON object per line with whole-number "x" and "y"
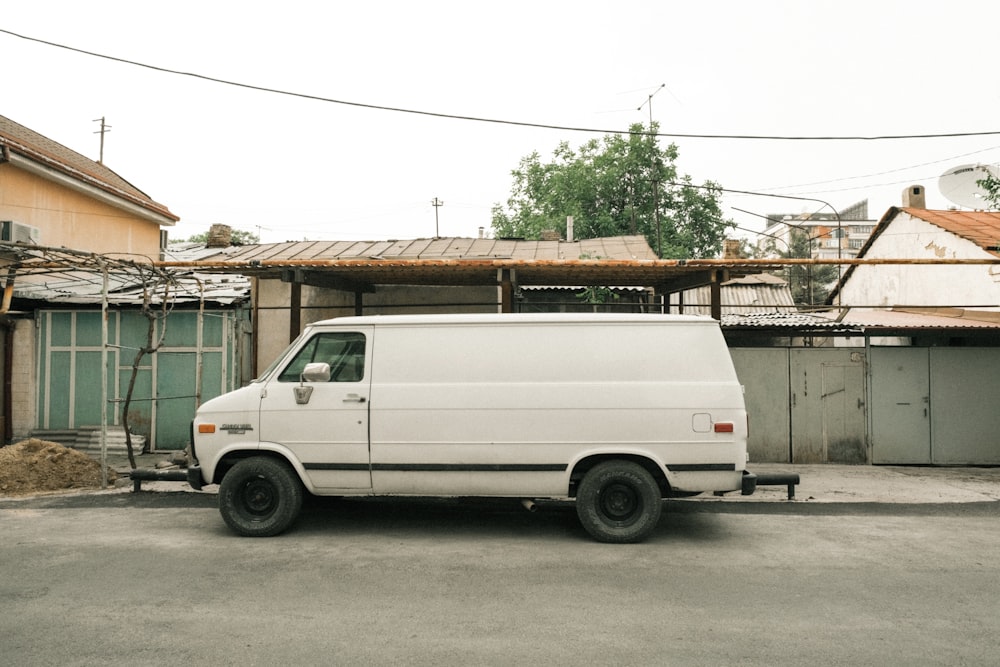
{"x": 868, "y": 321}
{"x": 84, "y": 287}
{"x": 787, "y": 320}
{"x": 759, "y": 293}
{"x": 615, "y": 248}
{"x": 623, "y": 261}
{"x": 55, "y": 276}
{"x": 25, "y": 142}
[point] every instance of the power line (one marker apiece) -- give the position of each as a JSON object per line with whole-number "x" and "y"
{"x": 434, "y": 114}
{"x": 880, "y": 173}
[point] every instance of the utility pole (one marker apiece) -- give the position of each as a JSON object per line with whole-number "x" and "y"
{"x": 436, "y": 203}
{"x": 105, "y": 128}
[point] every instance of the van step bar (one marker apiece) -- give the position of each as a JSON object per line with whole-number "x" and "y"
{"x": 140, "y": 475}
{"x": 751, "y": 481}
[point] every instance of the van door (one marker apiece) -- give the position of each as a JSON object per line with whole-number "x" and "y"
{"x": 324, "y": 422}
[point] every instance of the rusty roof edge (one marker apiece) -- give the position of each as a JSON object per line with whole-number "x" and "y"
{"x": 498, "y": 262}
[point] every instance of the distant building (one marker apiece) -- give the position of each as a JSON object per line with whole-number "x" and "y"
{"x": 831, "y": 235}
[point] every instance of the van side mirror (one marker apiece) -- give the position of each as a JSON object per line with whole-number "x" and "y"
{"x": 316, "y": 372}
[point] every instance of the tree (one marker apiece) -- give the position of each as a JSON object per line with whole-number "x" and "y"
{"x": 809, "y": 284}
{"x": 621, "y": 184}
{"x": 240, "y": 237}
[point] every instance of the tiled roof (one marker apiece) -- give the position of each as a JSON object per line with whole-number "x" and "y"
{"x": 980, "y": 227}
{"x": 29, "y": 144}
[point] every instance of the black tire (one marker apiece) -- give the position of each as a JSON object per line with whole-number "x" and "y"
{"x": 260, "y": 497}
{"x": 619, "y": 501}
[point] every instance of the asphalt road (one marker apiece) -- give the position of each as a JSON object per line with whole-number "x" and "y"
{"x": 156, "y": 578}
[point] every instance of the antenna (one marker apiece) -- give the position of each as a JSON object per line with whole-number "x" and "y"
{"x": 649, "y": 101}
{"x": 960, "y": 185}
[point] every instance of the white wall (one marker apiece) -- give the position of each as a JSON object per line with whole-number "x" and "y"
{"x": 916, "y": 285}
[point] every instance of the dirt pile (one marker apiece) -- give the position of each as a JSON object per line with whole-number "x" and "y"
{"x": 34, "y": 465}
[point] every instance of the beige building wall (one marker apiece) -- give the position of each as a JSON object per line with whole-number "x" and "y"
{"x": 273, "y": 319}
{"x": 69, "y": 218}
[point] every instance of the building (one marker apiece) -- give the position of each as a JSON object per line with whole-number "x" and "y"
{"x": 63, "y": 219}
{"x": 829, "y": 235}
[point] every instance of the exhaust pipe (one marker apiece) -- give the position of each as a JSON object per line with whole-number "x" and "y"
{"x": 529, "y": 505}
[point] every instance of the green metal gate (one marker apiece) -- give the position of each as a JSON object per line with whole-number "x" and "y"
{"x": 208, "y": 346}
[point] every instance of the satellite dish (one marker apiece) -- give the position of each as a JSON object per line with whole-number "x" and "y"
{"x": 960, "y": 185}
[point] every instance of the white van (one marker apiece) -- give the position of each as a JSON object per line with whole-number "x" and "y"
{"x": 614, "y": 411}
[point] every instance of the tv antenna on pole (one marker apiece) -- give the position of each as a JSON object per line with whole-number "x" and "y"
{"x": 649, "y": 101}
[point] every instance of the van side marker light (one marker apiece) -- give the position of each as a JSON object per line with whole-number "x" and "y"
{"x": 206, "y": 428}
{"x": 723, "y": 427}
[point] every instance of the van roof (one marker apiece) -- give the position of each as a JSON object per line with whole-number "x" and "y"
{"x": 514, "y": 318}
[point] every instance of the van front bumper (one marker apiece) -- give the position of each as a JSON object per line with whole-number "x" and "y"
{"x": 194, "y": 477}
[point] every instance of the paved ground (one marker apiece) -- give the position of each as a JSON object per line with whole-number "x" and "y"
{"x": 821, "y": 483}
{"x": 841, "y": 576}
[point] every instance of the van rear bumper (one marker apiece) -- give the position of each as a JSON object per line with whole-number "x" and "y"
{"x": 752, "y": 481}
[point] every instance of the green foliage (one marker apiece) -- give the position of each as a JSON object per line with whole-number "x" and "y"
{"x": 621, "y": 184}
{"x": 992, "y": 186}
{"x": 240, "y": 237}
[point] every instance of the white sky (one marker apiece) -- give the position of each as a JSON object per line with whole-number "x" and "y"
{"x": 294, "y": 168}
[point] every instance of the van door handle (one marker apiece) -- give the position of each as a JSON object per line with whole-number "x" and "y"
{"x": 354, "y": 398}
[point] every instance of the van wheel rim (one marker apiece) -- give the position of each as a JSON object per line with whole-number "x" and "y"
{"x": 259, "y": 497}
{"x": 619, "y": 502}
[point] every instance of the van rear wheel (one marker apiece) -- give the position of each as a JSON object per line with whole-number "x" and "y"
{"x": 260, "y": 497}
{"x": 618, "y": 501}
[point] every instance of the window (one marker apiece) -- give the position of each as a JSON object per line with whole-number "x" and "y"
{"x": 345, "y": 352}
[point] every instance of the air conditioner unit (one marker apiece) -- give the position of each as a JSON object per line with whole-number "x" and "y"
{"x": 16, "y": 232}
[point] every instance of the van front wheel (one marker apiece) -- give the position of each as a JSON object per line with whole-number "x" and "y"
{"x": 260, "y": 497}
{"x": 618, "y": 501}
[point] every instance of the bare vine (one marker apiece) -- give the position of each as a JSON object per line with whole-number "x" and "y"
{"x": 154, "y": 339}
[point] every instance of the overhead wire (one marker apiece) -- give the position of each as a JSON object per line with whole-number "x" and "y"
{"x": 479, "y": 119}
